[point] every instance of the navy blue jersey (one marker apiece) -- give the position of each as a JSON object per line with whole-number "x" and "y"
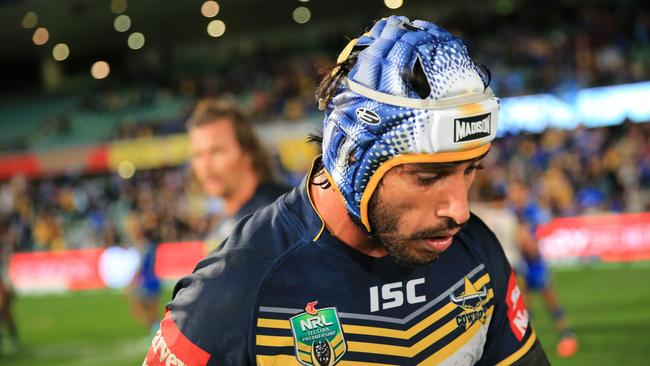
{"x": 283, "y": 291}
{"x": 265, "y": 194}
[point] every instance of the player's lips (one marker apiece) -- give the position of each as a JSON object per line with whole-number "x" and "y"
{"x": 441, "y": 243}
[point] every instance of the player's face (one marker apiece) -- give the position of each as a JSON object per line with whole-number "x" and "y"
{"x": 218, "y": 161}
{"x": 418, "y": 208}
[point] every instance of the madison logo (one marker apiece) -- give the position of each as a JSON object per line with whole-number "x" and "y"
{"x": 368, "y": 116}
{"x": 472, "y": 302}
{"x": 318, "y": 336}
{"x": 472, "y": 128}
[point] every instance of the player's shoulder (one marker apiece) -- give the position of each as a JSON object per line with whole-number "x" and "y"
{"x": 476, "y": 229}
{"x": 213, "y": 306}
{"x": 265, "y": 194}
{"x": 482, "y": 241}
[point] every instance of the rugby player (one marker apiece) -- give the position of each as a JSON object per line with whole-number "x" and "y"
{"x": 375, "y": 258}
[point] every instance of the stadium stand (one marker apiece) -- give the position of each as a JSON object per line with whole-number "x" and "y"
{"x": 78, "y": 209}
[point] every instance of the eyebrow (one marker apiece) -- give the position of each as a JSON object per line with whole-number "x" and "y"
{"x": 449, "y": 165}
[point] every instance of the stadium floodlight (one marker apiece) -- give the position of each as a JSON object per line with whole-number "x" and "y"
{"x": 216, "y": 28}
{"x": 30, "y": 20}
{"x": 41, "y": 36}
{"x": 393, "y": 4}
{"x": 100, "y": 70}
{"x": 301, "y": 15}
{"x": 136, "y": 40}
{"x": 210, "y": 9}
{"x": 60, "y": 52}
{"x": 118, "y": 6}
{"x": 122, "y": 23}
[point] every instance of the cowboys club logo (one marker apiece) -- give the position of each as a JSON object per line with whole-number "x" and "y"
{"x": 472, "y": 301}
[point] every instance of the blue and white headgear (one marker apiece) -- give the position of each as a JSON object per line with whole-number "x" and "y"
{"x": 375, "y": 119}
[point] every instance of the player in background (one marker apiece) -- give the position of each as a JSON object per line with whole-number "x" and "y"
{"x": 530, "y": 215}
{"x": 492, "y": 207}
{"x": 7, "y": 294}
{"x": 144, "y": 291}
{"x": 230, "y": 163}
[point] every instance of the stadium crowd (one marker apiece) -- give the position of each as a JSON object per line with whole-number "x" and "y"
{"x": 570, "y": 172}
{"x": 583, "y": 47}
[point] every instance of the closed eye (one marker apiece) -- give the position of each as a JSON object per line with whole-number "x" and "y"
{"x": 426, "y": 179}
{"x": 474, "y": 167}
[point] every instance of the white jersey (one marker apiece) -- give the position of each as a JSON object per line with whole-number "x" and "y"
{"x": 504, "y": 223}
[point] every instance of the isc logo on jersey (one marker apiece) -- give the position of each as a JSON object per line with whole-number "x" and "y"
{"x": 393, "y": 295}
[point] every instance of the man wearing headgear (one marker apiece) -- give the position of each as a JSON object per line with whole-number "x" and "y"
{"x": 375, "y": 258}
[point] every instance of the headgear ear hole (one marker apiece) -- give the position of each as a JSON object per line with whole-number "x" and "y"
{"x": 418, "y": 80}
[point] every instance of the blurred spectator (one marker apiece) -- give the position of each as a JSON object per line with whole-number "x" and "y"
{"x": 230, "y": 163}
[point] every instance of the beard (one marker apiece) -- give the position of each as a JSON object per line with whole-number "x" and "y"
{"x": 384, "y": 223}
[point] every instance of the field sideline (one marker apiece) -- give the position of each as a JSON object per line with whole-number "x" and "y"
{"x": 609, "y": 307}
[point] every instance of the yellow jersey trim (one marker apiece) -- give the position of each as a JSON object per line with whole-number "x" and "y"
{"x": 386, "y": 349}
{"x": 286, "y": 360}
{"x": 520, "y": 352}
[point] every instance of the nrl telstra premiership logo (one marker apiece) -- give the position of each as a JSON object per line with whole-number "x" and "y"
{"x": 318, "y": 336}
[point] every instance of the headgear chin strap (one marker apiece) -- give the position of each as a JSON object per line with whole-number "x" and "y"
{"x": 376, "y": 120}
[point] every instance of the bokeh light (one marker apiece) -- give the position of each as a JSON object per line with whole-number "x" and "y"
{"x": 301, "y": 15}
{"x": 30, "y": 20}
{"x": 41, "y": 36}
{"x": 216, "y": 28}
{"x": 393, "y": 4}
{"x": 100, "y": 70}
{"x": 61, "y": 52}
{"x": 122, "y": 23}
{"x": 210, "y": 9}
{"x": 126, "y": 169}
{"x": 136, "y": 40}
{"x": 118, "y": 6}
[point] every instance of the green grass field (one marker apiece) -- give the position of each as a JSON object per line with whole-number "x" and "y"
{"x": 609, "y": 308}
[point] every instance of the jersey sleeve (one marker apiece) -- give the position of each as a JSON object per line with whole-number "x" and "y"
{"x": 210, "y": 318}
{"x": 510, "y": 335}
{"x": 207, "y": 321}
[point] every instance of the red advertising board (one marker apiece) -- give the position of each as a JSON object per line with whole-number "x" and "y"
{"x": 94, "y": 268}
{"x": 175, "y": 260}
{"x": 611, "y": 237}
{"x": 66, "y": 270}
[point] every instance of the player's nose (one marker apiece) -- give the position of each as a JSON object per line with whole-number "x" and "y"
{"x": 453, "y": 199}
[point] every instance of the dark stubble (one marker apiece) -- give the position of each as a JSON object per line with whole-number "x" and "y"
{"x": 384, "y": 222}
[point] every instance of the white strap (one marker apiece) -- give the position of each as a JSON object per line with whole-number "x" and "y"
{"x": 455, "y": 101}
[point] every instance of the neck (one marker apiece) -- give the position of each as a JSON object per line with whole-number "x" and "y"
{"x": 330, "y": 206}
{"x": 242, "y": 194}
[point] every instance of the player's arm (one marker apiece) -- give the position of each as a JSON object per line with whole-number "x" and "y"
{"x": 207, "y": 323}
{"x": 526, "y": 240}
